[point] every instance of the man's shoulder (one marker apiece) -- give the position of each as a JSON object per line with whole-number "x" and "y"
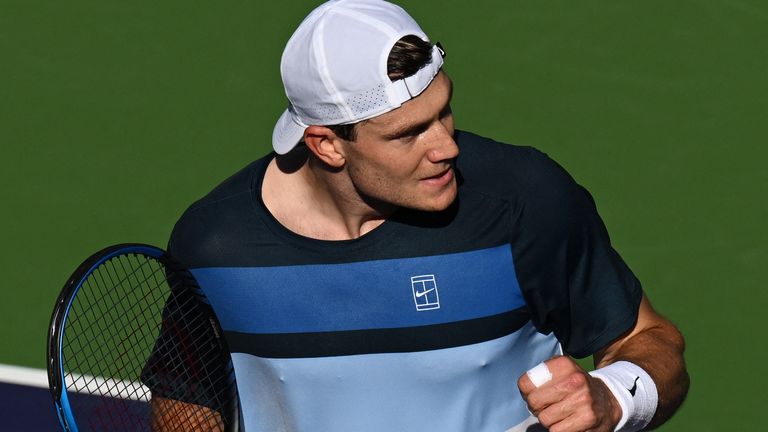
{"x": 232, "y": 188}
{"x": 506, "y": 170}
{"x": 225, "y": 213}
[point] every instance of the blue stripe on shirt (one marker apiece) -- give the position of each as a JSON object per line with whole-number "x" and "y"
{"x": 363, "y": 295}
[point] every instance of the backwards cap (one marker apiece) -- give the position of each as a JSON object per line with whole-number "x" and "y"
{"x": 334, "y": 67}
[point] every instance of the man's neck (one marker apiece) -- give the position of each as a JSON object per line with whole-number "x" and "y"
{"x": 314, "y": 202}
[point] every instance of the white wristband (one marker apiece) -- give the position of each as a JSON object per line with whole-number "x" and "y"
{"x": 635, "y": 391}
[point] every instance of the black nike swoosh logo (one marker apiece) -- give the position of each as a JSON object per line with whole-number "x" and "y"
{"x": 634, "y": 388}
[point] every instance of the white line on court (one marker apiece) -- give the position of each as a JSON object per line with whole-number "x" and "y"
{"x": 109, "y": 387}
{"x": 84, "y": 383}
{"x": 23, "y": 376}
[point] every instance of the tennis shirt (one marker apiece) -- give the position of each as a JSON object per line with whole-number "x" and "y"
{"x": 424, "y": 323}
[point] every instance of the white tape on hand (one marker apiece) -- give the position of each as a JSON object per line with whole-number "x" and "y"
{"x": 539, "y": 374}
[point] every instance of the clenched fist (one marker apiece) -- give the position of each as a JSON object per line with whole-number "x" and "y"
{"x": 572, "y": 400}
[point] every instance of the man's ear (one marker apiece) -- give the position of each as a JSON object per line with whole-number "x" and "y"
{"x": 324, "y": 143}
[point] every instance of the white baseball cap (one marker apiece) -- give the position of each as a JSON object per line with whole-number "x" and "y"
{"x": 334, "y": 67}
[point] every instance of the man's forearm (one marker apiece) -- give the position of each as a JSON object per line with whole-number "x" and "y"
{"x": 658, "y": 349}
{"x": 172, "y": 415}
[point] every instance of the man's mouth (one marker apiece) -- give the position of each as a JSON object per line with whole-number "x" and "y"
{"x": 440, "y": 179}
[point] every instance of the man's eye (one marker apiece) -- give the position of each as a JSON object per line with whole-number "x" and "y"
{"x": 416, "y": 132}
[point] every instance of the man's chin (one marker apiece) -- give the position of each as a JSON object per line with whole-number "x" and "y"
{"x": 429, "y": 203}
{"x": 440, "y": 203}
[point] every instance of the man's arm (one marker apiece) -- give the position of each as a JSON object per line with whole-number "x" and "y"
{"x": 657, "y": 346}
{"x": 172, "y": 415}
{"x": 573, "y": 400}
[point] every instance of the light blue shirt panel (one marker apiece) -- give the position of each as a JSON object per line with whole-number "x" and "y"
{"x": 469, "y": 388}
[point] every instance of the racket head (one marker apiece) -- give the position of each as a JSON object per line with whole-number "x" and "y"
{"x": 124, "y": 313}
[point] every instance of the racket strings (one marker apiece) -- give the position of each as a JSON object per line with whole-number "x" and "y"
{"x": 195, "y": 372}
{"x": 197, "y": 366}
{"x": 102, "y": 316}
{"x": 96, "y": 313}
{"x": 142, "y": 326}
{"x": 102, "y": 343}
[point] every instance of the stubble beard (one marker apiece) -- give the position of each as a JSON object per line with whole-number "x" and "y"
{"x": 386, "y": 198}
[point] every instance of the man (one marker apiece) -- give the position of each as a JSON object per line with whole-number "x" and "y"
{"x": 383, "y": 271}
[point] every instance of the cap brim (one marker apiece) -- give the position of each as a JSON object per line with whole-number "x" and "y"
{"x": 287, "y": 133}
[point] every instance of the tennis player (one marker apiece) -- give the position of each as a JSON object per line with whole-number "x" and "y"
{"x": 383, "y": 271}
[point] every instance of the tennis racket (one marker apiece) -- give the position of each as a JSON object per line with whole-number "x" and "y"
{"x": 133, "y": 345}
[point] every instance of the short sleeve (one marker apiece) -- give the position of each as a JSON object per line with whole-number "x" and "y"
{"x": 575, "y": 284}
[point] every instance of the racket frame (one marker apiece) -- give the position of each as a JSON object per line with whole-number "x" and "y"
{"x": 56, "y": 329}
